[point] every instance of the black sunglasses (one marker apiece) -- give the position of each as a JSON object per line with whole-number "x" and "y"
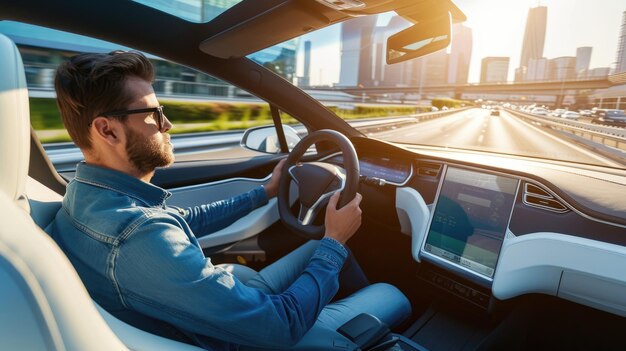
{"x": 158, "y": 111}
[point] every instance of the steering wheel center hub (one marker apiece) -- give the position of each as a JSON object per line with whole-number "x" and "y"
{"x": 316, "y": 181}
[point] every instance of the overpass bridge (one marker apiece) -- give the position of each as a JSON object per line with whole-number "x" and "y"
{"x": 552, "y": 86}
{"x": 557, "y": 88}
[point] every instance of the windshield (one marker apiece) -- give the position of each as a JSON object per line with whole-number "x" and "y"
{"x": 508, "y": 82}
{"x": 199, "y": 11}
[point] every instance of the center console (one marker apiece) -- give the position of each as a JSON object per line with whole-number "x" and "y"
{"x": 458, "y": 248}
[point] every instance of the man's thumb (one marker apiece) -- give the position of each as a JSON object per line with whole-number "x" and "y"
{"x": 332, "y": 203}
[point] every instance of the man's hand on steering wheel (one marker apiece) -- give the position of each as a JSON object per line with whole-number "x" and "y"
{"x": 342, "y": 223}
{"x": 316, "y": 183}
{"x": 271, "y": 188}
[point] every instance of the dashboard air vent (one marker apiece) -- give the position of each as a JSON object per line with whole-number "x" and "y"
{"x": 535, "y": 196}
{"x": 429, "y": 169}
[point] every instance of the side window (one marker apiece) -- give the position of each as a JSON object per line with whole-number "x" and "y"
{"x": 209, "y": 115}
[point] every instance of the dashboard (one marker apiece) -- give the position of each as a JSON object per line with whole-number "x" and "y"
{"x": 390, "y": 171}
{"x": 500, "y": 226}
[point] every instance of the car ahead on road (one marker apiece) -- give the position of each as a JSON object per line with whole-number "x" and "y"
{"x": 610, "y": 117}
{"x": 558, "y": 112}
{"x": 502, "y": 233}
{"x": 495, "y": 112}
{"x": 570, "y": 115}
{"x": 539, "y": 111}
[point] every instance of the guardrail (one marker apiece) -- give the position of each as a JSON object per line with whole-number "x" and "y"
{"x": 65, "y": 156}
{"x": 613, "y": 137}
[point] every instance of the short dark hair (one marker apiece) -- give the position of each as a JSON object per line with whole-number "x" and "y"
{"x": 93, "y": 83}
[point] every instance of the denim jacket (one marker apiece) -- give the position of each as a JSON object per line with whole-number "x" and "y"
{"x": 140, "y": 260}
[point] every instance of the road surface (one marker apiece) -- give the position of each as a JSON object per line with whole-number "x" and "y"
{"x": 477, "y": 129}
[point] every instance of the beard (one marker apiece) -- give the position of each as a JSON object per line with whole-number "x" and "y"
{"x": 146, "y": 154}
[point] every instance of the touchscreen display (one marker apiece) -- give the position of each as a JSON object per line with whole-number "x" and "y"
{"x": 470, "y": 219}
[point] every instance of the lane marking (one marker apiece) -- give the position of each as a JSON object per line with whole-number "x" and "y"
{"x": 480, "y": 138}
{"x": 573, "y": 146}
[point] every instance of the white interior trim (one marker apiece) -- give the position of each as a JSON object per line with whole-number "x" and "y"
{"x": 244, "y": 228}
{"x": 413, "y": 214}
{"x": 586, "y": 271}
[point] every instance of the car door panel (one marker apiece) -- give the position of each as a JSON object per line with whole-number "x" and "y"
{"x": 200, "y": 172}
{"x": 246, "y": 227}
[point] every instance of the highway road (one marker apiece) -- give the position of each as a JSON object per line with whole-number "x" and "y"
{"x": 476, "y": 129}
{"x": 465, "y": 129}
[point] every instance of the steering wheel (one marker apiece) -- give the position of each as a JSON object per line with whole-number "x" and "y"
{"x": 317, "y": 182}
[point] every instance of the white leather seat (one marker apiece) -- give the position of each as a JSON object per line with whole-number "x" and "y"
{"x": 43, "y": 302}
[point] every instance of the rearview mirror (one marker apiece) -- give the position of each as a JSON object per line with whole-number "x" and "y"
{"x": 420, "y": 39}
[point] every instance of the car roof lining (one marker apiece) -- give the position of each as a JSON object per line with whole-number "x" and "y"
{"x": 250, "y": 25}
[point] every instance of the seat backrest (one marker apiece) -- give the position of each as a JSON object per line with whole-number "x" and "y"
{"x": 43, "y": 303}
{"x": 44, "y": 204}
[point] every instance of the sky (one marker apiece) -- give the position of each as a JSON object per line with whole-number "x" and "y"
{"x": 498, "y": 30}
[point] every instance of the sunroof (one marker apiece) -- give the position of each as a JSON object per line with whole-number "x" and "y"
{"x": 199, "y": 11}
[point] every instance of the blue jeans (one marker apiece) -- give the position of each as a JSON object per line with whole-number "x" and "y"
{"x": 382, "y": 300}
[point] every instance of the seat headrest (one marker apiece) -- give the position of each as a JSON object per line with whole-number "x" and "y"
{"x": 14, "y": 121}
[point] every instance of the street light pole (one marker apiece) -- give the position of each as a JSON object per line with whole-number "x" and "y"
{"x": 561, "y": 97}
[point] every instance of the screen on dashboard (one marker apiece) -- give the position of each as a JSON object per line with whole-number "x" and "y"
{"x": 470, "y": 219}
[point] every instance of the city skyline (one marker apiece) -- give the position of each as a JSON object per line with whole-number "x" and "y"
{"x": 570, "y": 24}
{"x": 499, "y": 32}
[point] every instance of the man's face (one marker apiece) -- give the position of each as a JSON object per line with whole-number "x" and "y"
{"x": 147, "y": 147}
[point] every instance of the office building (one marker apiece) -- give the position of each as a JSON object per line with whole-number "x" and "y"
{"x": 583, "y": 58}
{"x": 305, "y": 80}
{"x": 562, "y": 68}
{"x": 534, "y": 37}
{"x": 620, "y": 60}
{"x": 430, "y": 70}
{"x": 460, "y": 54}
{"x": 494, "y": 69}
{"x": 281, "y": 59}
{"x": 537, "y": 69}
{"x": 356, "y": 51}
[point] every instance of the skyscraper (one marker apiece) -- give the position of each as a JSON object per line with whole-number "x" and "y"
{"x": 305, "y": 80}
{"x": 534, "y": 36}
{"x": 460, "y": 54}
{"x": 583, "y": 58}
{"x": 356, "y": 51}
{"x": 620, "y": 61}
{"x": 494, "y": 69}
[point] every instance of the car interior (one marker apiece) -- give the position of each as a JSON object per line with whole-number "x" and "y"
{"x": 548, "y": 270}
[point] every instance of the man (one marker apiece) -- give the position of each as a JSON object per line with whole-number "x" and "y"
{"x": 139, "y": 258}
